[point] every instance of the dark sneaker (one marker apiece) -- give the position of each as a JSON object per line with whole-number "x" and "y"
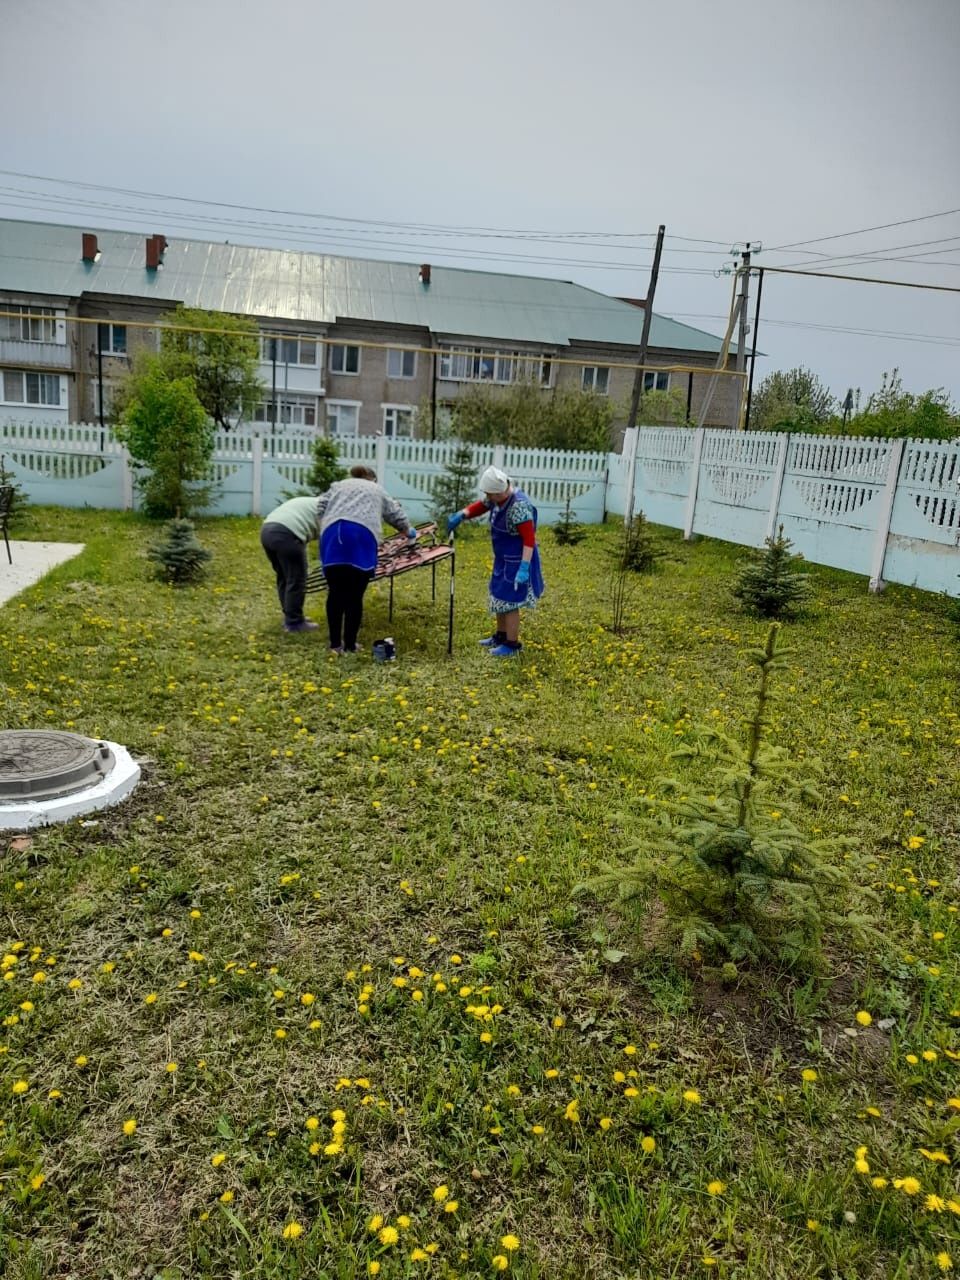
{"x": 303, "y": 625}
{"x": 491, "y": 642}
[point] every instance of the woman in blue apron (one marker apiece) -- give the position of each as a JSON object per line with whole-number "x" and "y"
{"x": 516, "y": 582}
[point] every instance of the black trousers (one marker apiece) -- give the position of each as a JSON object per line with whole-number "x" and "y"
{"x": 288, "y": 555}
{"x": 345, "y": 588}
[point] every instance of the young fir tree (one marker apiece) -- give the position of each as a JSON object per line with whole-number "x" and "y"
{"x": 326, "y": 468}
{"x": 567, "y": 532}
{"x": 179, "y": 558}
{"x": 18, "y": 499}
{"x": 737, "y": 879}
{"x": 771, "y": 584}
{"x": 639, "y": 552}
{"x": 455, "y": 486}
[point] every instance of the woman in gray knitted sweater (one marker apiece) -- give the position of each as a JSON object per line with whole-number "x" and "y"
{"x": 352, "y": 513}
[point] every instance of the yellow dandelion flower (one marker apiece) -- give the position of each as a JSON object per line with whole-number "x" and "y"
{"x": 19, "y": 1086}
{"x": 292, "y": 1231}
{"x": 813, "y": 1224}
{"x": 938, "y": 1157}
{"x": 864, "y": 1018}
{"x": 172, "y": 1067}
{"x": 944, "y": 1261}
{"x": 226, "y": 1197}
{"x": 716, "y": 1187}
{"x": 441, "y": 1193}
{"x": 37, "y": 1181}
{"x": 691, "y": 1095}
{"x": 605, "y": 1122}
{"x": 648, "y": 1145}
{"x": 388, "y": 1235}
{"x": 403, "y": 1221}
{"x": 218, "y": 1158}
{"x": 373, "y": 1268}
{"x": 419, "y": 1255}
{"x": 808, "y": 1075}
{"x": 129, "y": 1126}
{"x": 934, "y": 1204}
{"x": 375, "y": 1223}
{"x": 511, "y": 1243}
{"x": 500, "y": 1262}
{"x": 311, "y": 1123}
{"x": 909, "y": 1186}
{"x": 451, "y": 1206}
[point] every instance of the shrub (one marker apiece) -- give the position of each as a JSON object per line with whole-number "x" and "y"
{"x": 19, "y": 499}
{"x": 326, "y": 469}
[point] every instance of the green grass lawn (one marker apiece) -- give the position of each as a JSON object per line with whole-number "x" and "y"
{"x": 328, "y": 959}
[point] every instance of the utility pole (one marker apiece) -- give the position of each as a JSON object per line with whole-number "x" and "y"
{"x": 639, "y": 376}
{"x": 742, "y": 304}
{"x": 753, "y": 352}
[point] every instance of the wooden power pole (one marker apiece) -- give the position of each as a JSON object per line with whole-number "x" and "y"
{"x": 645, "y": 332}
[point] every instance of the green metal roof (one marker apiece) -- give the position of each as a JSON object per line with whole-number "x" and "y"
{"x": 40, "y": 257}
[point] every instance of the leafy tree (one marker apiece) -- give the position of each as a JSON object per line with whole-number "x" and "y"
{"x": 167, "y": 430}
{"x": 664, "y": 408}
{"x": 791, "y": 400}
{"x": 526, "y": 415}
{"x": 735, "y": 876}
{"x": 892, "y": 412}
{"x": 771, "y": 584}
{"x": 220, "y": 353}
{"x": 326, "y": 470}
{"x": 455, "y": 486}
{"x": 179, "y": 558}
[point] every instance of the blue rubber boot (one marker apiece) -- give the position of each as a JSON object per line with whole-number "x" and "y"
{"x": 506, "y": 650}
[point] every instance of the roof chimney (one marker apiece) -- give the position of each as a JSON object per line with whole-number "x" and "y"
{"x": 90, "y": 250}
{"x": 155, "y": 248}
{"x": 424, "y": 276}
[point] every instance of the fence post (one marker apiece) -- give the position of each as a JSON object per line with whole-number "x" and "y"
{"x": 256, "y": 497}
{"x": 126, "y": 481}
{"x": 885, "y": 515}
{"x": 694, "y": 483}
{"x": 381, "y": 462}
{"x": 630, "y": 479}
{"x": 499, "y": 455}
{"x": 779, "y": 468}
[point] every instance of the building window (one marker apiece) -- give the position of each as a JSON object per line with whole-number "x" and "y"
{"x": 475, "y": 365}
{"x": 112, "y": 339}
{"x": 343, "y": 417}
{"x": 398, "y": 421}
{"x": 401, "y": 363}
{"x": 31, "y": 388}
{"x": 29, "y": 324}
{"x": 344, "y": 359}
{"x": 291, "y": 411}
{"x": 656, "y": 381}
{"x": 289, "y": 350}
{"x": 596, "y": 377}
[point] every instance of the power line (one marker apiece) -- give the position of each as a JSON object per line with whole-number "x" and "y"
{"x": 933, "y": 339}
{"x": 842, "y": 235}
{"x": 332, "y": 217}
{"x": 828, "y": 275}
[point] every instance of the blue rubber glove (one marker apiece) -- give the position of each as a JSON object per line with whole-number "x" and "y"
{"x": 412, "y": 533}
{"x": 453, "y": 521}
{"x": 523, "y": 574}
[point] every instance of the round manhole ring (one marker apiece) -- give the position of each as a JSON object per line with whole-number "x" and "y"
{"x": 42, "y": 764}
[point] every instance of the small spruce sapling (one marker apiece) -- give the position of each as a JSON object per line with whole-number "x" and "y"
{"x": 639, "y": 552}
{"x": 326, "y": 469}
{"x": 770, "y": 584}
{"x": 567, "y": 532}
{"x": 18, "y": 500}
{"x": 179, "y": 558}
{"x": 455, "y": 486}
{"x": 736, "y": 878}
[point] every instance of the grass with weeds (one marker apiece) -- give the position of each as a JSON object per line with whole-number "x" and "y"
{"x": 317, "y": 1000}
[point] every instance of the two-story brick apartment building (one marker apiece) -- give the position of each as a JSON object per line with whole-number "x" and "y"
{"x": 348, "y": 345}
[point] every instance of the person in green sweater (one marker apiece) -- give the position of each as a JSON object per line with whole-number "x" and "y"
{"x": 284, "y": 536}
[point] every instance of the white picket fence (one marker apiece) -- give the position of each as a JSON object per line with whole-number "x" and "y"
{"x": 887, "y": 509}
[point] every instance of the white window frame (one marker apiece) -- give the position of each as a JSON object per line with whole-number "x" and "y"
{"x": 590, "y": 378}
{"x": 402, "y": 352}
{"x": 285, "y": 345}
{"x": 345, "y": 347}
{"x": 109, "y": 347}
{"x": 292, "y": 411}
{"x": 44, "y": 383}
{"x": 390, "y": 421}
{"x": 656, "y": 380}
{"x": 480, "y": 364}
{"x": 342, "y": 404}
{"x": 31, "y": 324}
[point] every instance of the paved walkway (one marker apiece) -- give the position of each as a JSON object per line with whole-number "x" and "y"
{"x": 31, "y": 561}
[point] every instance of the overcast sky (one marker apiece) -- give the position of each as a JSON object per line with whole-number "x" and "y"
{"x": 771, "y": 120}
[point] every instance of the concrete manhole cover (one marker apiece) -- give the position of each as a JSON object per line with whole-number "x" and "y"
{"x": 41, "y": 764}
{"x": 49, "y": 776}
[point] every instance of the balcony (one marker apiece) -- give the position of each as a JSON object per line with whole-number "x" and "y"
{"x": 35, "y": 355}
{"x": 302, "y": 379}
